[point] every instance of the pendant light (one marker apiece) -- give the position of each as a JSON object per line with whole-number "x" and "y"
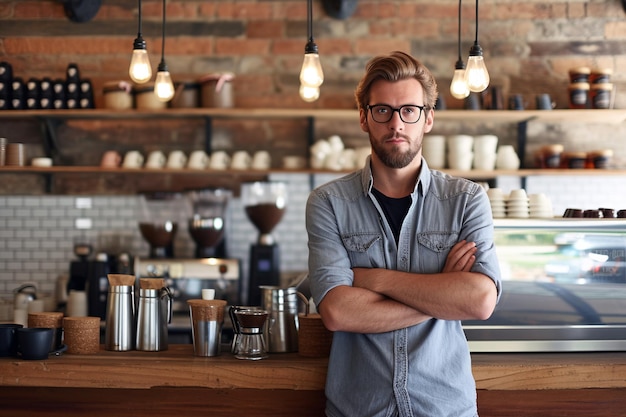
{"x": 476, "y": 73}
{"x": 140, "y": 70}
{"x": 458, "y": 86}
{"x": 311, "y": 74}
{"x": 163, "y": 86}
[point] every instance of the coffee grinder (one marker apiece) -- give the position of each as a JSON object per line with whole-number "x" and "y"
{"x": 207, "y": 224}
{"x": 160, "y": 213}
{"x": 265, "y": 204}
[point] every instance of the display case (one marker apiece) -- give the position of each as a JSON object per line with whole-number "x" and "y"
{"x": 564, "y": 287}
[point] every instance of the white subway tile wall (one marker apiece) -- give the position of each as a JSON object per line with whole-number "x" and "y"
{"x": 37, "y": 232}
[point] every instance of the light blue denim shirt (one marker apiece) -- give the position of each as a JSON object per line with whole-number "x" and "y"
{"x": 423, "y": 370}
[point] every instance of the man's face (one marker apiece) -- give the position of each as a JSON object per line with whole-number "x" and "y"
{"x": 396, "y": 143}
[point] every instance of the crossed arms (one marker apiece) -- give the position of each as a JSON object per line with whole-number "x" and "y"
{"x": 382, "y": 300}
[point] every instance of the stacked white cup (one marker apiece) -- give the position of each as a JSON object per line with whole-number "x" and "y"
{"x": 434, "y": 151}
{"x": 460, "y": 155}
{"x": 485, "y": 147}
{"x": 517, "y": 204}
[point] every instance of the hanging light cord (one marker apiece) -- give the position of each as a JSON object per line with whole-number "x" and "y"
{"x": 476, "y": 37}
{"x": 459, "y": 44}
{"x": 311, "y": 47}
{"x": 163, "y": 35}
{"x": 310, "y": 19}
{"x": 139, "y": 20}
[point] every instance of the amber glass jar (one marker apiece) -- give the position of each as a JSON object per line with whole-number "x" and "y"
{"x": 579, "y": 95}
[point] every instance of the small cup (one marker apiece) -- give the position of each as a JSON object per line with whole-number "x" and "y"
{"x": 518, "y": 194}
{"x": 156, "y": 160}
{"x": 261, "y": 160}
{"x": 219, "y": 160}
{"x": 133, "y": 160}
{"x": 8, "y": 339}
{"x": 110, "y": 159}
{"x": 241, "y": 160}
{"x": 207, "y": 318}
{"x": 41, "y": 162}
{"x": 294, "y": 162}
{"x": 176, "y": 160}
{"x": 544, "y": 102}
{"x": 516, "y": 102}
{"x": 50, "y": 320}
{"x": 15, "y": 154}
{"x": 34, "y": 343}
{"x": 198, "y": 160}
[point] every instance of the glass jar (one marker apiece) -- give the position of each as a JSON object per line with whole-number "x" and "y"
{"x": 579, "y": 95}
{"x": 600, "y": 95}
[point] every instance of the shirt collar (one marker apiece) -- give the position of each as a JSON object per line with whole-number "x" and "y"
{"x": 423, "y": 181}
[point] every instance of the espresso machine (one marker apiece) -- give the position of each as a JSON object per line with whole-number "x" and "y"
{"x": 265, "y": 204}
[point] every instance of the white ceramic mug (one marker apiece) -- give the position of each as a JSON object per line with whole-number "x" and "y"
{"x": 156, "y": 160}
{"x": 198, "y": 160}
{"x": 241, "y": 160}
{"x": 219, "y": 160}
{"x": 261, "y": 160}
{"x": 176, "y": 160}
{"x": 133, "y": 159}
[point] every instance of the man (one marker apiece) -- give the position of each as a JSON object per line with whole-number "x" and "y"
{"x": 398, "y": 255}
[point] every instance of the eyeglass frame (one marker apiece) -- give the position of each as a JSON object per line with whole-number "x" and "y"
{"x": 397, "y": 109}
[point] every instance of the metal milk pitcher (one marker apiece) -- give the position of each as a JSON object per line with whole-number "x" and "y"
{"x": 281, "y": 327}
{"x": 120, "y": 318}
{"x": 153, "y": 315}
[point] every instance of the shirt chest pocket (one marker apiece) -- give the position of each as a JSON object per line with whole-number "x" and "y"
{"x": 437, "y": 245}
{"x": 364, "y": 249}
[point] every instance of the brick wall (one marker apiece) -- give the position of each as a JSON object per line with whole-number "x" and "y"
{"x": 529, "y": 47}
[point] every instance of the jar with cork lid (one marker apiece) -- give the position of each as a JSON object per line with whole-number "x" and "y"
{"x": 579, "y": 95}
{"x": 600, "y": 95}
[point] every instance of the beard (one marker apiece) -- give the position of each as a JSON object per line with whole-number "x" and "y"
{"x": 393, "y": 157}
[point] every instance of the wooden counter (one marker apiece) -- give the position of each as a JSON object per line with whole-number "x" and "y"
{"x": 175, "y": 382}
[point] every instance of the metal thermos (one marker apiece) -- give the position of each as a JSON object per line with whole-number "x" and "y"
{"x": 153, "y": 315}
{"x": 281, "y": 333}
{"x": 120, "y": 318}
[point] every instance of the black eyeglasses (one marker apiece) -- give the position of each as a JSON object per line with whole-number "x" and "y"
{"x": 382, "y": 113}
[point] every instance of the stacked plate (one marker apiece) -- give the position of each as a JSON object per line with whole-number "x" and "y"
{"x": 517, "y": 204}
{"x": 497, "y": 201}
{"x": 540, "y": 206}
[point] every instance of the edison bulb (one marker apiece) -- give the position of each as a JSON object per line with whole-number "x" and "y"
{"x": 140, "y": 70}
{"x": 309, "y": 94}
{"x": 311, "y": 74}
{"x": 163, "y": 86}
{"x": 476, "y": 74}
{"x": 458, "y": 86}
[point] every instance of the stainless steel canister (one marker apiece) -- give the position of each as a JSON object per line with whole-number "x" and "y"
{"x": 120, "y": 318}
{"x": 153, "y": 315}
{"x": 281, "y": 334}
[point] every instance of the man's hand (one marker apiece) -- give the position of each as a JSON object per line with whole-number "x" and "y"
{"x": 461, "y": 257}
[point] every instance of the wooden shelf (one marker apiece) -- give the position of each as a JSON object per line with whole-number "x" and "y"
{"x": 502, "y": 116}
{"x": 473, "y": 174}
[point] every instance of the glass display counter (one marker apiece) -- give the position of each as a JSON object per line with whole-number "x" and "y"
{"x": 564, "y": 287}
